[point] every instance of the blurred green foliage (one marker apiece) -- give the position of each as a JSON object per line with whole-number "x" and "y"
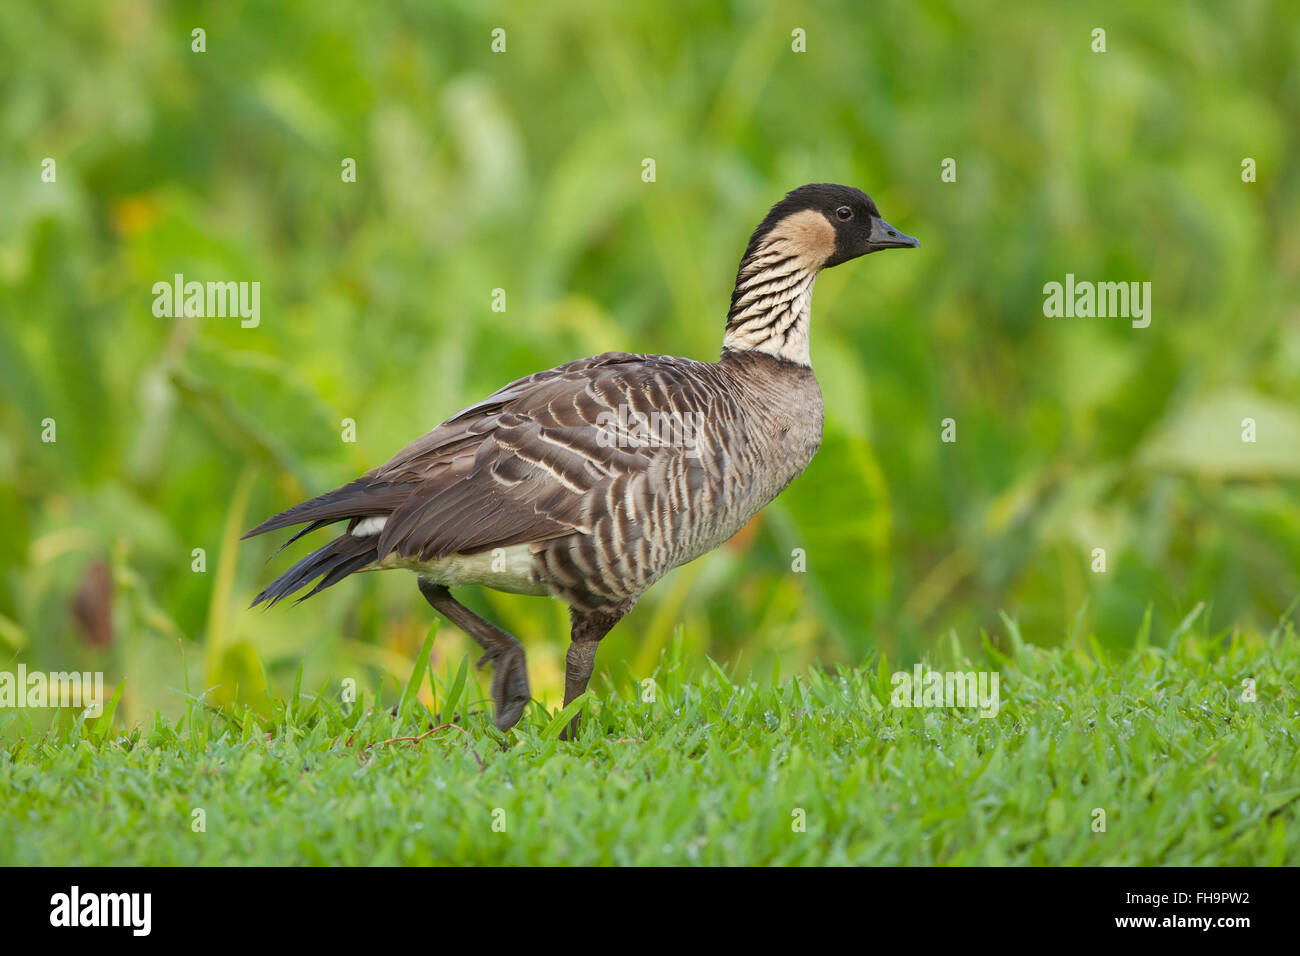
{"x": 522, "y": 171}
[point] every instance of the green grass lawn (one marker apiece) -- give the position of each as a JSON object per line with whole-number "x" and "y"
{"x": 712, "y": 771}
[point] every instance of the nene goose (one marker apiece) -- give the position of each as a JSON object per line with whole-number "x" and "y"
{"x": 590, "y": 481}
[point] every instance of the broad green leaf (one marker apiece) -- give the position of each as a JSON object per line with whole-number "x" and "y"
{"x": 1207, "y": 437}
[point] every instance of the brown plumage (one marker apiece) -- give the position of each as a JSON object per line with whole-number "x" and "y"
{"x": 590, "y": 481}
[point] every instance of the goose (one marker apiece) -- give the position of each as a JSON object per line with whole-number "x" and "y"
{"x": 591, "y": 480}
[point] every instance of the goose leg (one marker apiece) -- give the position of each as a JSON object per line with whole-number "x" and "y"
{"x": 510, "y": 692}
{"x": 588, "y": 628}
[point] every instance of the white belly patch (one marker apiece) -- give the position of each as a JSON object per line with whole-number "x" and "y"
{"x": 503, "y": 569}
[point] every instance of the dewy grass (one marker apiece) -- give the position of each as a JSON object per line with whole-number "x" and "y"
{"x": 1184, "y": 754}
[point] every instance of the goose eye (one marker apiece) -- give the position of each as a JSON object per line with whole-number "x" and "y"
{"x": 844, "y": 213}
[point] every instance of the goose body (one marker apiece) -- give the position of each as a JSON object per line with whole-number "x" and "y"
{"x": 622, "y": 507}
{"x": 590, "y": 481}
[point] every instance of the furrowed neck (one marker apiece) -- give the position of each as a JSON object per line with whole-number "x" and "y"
{"x": 772, "y": 302}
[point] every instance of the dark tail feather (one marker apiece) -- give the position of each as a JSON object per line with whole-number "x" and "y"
{"x": 362, "y": 498}
{"x": 298, "y": 534}
{"x": 331, "y": 564}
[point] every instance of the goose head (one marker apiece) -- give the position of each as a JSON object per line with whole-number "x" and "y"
{"x": 824, "y": 224}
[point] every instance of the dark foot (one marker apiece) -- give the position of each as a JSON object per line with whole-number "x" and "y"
{"x": 571, "y": 732}
{"x": 588, "y": 628}
{"x": 506, "y": 655}
{"x": 510, "y": 692}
